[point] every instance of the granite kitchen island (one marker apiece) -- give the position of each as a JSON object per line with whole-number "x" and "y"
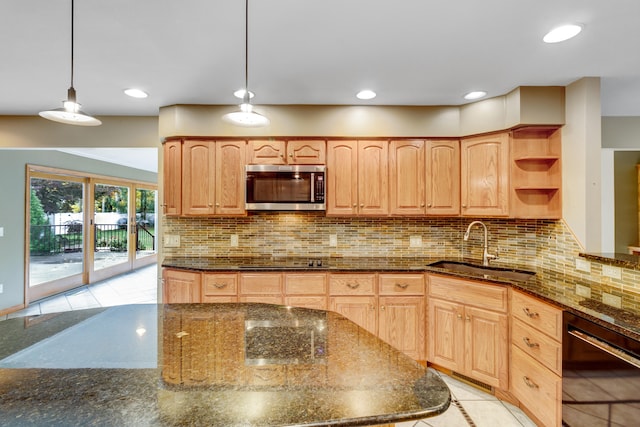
{"x": 207, "y": 364}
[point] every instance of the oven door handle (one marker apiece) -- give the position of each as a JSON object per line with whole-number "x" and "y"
{"x": 608, "y": 348}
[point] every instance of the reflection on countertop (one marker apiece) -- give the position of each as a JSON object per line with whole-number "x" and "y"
{"x": 320, "y": 369}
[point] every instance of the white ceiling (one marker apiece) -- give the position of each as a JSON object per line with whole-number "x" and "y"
{"x": 412, "y": 52}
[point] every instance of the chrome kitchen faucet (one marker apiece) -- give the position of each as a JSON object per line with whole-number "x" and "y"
{"x": 486, "y": 256}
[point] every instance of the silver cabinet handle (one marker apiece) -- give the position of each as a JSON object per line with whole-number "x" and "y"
{"x": 530, "y": 344}
{"x": 529, "y": 313}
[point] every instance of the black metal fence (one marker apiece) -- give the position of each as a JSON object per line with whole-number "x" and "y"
{"x": 56, "y": 239}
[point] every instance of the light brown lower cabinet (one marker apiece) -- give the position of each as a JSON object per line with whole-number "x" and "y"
{"x": 397, "y": 315}
{"x": 261, "y": 287}
{"x": 179, "y": 286}
{"x": 308, "y": 290}
{"x": 462, "y": 336}
{"x": 536, "y": 358}
{"x": 219, "y": 287}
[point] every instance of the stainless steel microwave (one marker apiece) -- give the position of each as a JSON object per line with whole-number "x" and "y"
{"x": 285, "y": 187}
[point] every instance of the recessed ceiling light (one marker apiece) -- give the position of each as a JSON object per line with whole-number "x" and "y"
{"x": 136, "y": 93}
{"x": 476, "y": 94}
{"x": 240, "y": 94}
{"x": 366, "y": 94}
{"x": 562, "y": 33}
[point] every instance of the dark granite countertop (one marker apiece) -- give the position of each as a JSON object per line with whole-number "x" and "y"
{"x": 549, "y": 285}
{"x": 207, "y": 364}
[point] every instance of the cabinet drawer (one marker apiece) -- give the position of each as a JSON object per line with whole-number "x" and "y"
{"x": 352, "y": 284}
{"x": 484, "y": 295}
{"x": 260, "y": 283}
{"x": 401, "y": 284}
{"x": 318, "y": 302}
{"x": 538, "y": 314}
{"x": 262, "y": 299}
{"x": 537, "y": 345}
{"x": 219, "y": 284}
{"x": 539, "y": 389}
{"x": 305, "y": 284}
{"x": 265, "y": 375}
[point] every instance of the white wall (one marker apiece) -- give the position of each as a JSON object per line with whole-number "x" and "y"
{"x": 581, "y": 163}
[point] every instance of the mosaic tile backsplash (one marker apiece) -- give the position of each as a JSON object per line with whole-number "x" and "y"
{"x": 546, "y": 244}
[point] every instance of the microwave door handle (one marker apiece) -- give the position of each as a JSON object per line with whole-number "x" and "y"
{"x": 313, "y": 194}
{"x": 607, "y": 348}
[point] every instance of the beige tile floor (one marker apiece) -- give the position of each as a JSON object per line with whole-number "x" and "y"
{"x": 470, "y": 406}
{"x": 136, "y": 287}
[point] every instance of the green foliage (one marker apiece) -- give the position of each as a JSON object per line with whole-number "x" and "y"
{"x": 36, "y": 213}
{"x": 57, "y": 196}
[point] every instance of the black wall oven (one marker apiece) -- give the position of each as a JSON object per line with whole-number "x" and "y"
{"x": 600, "y": 375}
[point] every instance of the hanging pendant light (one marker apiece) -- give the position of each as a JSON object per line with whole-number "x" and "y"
{"x": 246, "y": 116}
{"x": 70, "y": 112}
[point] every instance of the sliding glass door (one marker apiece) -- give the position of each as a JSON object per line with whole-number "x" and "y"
{"x": 56, "y": 234}
{"x": 86, "y": 229}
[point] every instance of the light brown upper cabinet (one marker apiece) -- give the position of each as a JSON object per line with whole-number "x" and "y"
{"x": 198, "y": 177}
{"x": 172, "y": 165}
{"x": 357, "y": 178}
{"x": 484, "y": 172}
{"x": 407, "y": 177}
{"x": 213, "y": 178}
{"x": 443, "y": 177}
{"x": 230, "y": 182}
{"x": 280, "y": 152}
{"x": 536, "y": 175}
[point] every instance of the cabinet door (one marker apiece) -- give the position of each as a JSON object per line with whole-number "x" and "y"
{"x": 443, "y": 177}
{"x": 342, "y": 178}
{"x": 312, "y": 152}
{"x": 180, "y": 286}
{"x": 373, "y": 177}
{"x": 267, "y": 153}
{"x": 486, "y": 346}
{"x": 402, "y": 323}
{"x": 198, "y": 177}
{"x": 230, "y": 184}
{"x": 361, "y": 310}
{"x": 198, "y": 366}
{"x": 172, "y": 165}
{"x": 407, "y": 177}
{"x": 485, "y": 175}
{"x": 171, "y": 347}
{"x": 446, "y": 334}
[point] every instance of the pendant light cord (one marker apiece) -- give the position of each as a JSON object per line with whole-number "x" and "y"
{"x": 246, "y": 48}
{"x": 72, "y": 8}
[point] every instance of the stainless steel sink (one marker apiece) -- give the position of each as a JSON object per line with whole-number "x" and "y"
{"x": 480, "y": 270}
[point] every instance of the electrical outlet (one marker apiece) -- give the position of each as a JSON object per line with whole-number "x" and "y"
{"x": 1, "y": 288}
{"x": 1, "y": 231}
{"x": 611, "y": 271}
{"x": 234, "y": 240}
{"x": 583, "y": 265}
{"x": 333, "y": 240}
{"x": 612, "y": 300}
{"x": 583, "y": 291}
{"x": 171, "y": 240}
{"x": 415, "y": 241}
